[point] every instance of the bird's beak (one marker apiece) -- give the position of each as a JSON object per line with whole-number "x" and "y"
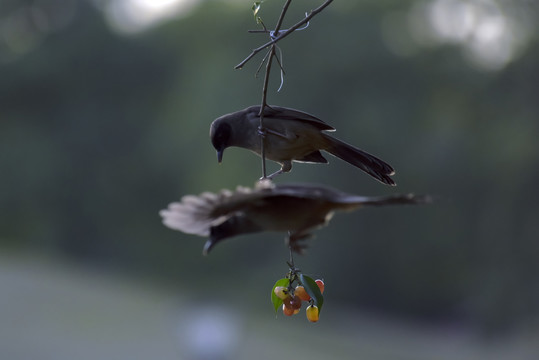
{"x": 220, "y": 155}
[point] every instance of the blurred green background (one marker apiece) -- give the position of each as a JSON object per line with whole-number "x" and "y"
{"x": 105, "y": 109}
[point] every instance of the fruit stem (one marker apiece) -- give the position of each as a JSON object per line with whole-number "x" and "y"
{"x": 291, "y": 262}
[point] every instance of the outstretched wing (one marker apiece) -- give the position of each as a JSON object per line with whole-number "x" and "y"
{"x": 192, "y": 215}
{"x": 197, "y": 214}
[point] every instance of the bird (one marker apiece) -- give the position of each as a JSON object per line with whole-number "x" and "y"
{"x": 290, "y": 135}
{"x": 296, "y": 209}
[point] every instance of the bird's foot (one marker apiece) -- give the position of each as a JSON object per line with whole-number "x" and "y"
{"x": 298, "y": 242}
{"x": 271, "y": 176}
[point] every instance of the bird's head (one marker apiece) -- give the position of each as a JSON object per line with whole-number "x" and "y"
{"x": 220, "y": 135}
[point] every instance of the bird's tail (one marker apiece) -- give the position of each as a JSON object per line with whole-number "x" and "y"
{"x": 375, "y": 167}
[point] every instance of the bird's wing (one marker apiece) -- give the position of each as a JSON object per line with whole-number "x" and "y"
{"x": 316, "y": 192}
{"x": 193, "y": 214}
{"x": 279, "y": 112}
{"x": 197, "y": 214}
{"x": 231, "y": 202}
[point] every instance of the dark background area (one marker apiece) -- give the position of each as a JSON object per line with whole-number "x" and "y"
{"x": 100, "y": 129}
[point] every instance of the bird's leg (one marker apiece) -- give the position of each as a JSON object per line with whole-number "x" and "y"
{"x": 263, "y": 132}
{"x": 295, "y": 241}
{"x": 286, "y": 166}
{"x": 276, "y": 133}
{"x": 271, "y": 176}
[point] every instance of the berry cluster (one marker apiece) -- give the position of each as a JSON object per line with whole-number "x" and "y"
{"x": 290, "y": 298}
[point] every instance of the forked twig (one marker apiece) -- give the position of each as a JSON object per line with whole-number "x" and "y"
{"x": 281, "y": 35}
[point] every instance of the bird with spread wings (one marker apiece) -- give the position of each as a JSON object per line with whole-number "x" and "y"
{"x": 296, "y": 209}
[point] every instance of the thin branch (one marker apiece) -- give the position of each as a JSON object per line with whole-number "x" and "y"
{"x": 284, "y": 34}
{"x": 281, "y": 18}
{"x": 291, "y": 262}
{"x": 271, "y": 54}
{"x": 258, "y": 31}
{"x": 261, "y": 129}
{"x": 261, "y": 63}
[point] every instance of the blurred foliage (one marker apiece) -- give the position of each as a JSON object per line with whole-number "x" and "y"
{"x": 98, "y": 131}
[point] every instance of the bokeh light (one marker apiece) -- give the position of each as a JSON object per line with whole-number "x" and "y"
{"x": 491, "y": 34}
{"x": 133, "y": 16}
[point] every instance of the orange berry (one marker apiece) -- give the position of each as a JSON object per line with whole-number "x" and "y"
{"x": 312, "y": 313}
{"x": 320, "y": 284}
{"x": 301, "y": 293}
{"x": 281, "y": 292}
{"x": 289, "y": 312}
{"x": 292, "y": 302}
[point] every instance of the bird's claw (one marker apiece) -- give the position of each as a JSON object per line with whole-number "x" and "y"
{"x": 298, "y": 241}
{"x": 271, "y": 176}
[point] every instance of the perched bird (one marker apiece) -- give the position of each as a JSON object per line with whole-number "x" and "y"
{"x": 290, "y": 135}
{"x": 297, "y": 209}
